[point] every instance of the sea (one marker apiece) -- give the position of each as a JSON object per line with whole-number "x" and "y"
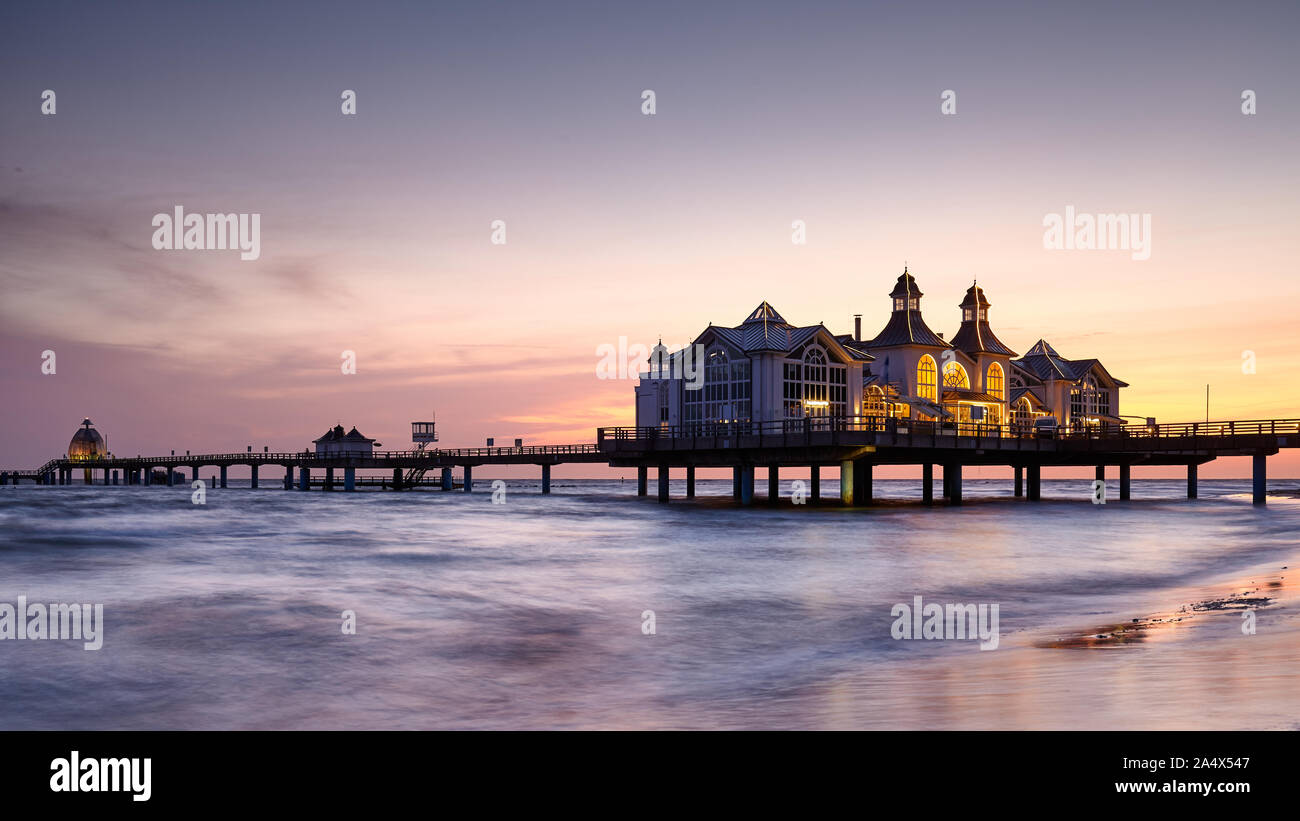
{"x": 593, "y": 608}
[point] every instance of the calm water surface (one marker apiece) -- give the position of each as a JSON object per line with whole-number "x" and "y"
{"x": 529, "y": 614}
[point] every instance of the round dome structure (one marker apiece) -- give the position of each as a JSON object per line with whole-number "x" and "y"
{"x": 87, "y": 444}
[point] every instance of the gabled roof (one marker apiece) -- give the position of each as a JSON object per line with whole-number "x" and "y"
{"x": 336, "y": 434}
{"x": 975, "y": 335}
{"x": 766, "y": 330}
{"x": 1043, "y": 361}
{"x": 1082, "y": 366}
{"x": 854, "y": 347}
{"x": 1035, "y": 401}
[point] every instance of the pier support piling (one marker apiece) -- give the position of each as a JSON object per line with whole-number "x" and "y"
{"x": 1191, "y": 481}
{"x": 862, "y": 482}
{"x": 446, "y": 479}
{"x": 254, "y": 483}
{"x": 690, "y": 481}
{"x": 223, "y": 476}
{"x": 815, "y": 485}
{"x": 747, "y": 485}
{"x": 846, "y": 482}
{"x": 1259, "y": 479}
{"x": 1034, "y": 482}
{"x": 773, "y": 484}
{"x": 954, "y": 486}
{"x": 349, "y": 479}
{"x": 546, "y": 478}
{"x": 642, "y": 480}
{"x": 1020, "y": 481}
{"x": 661, "y": 473}
{"x": 1125, "y": 482}
{"x": 735, "y": 482}
{"x": 329, "y": 478}
{"x": 304, "y": 478}
{"x": 467, "y": 484}
{"x": 288, "y": 477}
{"x": 397, "y": 478}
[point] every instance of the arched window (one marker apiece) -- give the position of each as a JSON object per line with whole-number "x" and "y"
{"x": 926, "y": 384}
{"x": 1022, "y": 416}
{"x": 954, "y": 376}
{"x": 873, "y": 401}
{"x": 1088, "y": 400}
{"x": 815, "y": 386}
{"x": 993, "y": 381}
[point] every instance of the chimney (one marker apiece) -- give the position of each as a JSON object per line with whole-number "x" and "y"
{"x": 857, "y": 327}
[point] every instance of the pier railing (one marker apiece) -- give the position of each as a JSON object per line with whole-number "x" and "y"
{"x": 892, "y": 425}
{"x": 309, "y": 457}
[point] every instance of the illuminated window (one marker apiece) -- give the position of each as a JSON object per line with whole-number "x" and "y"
{"x": 954, "y": 376}
{"x": 873, "y": 401}
{"x": 1088, "y": 400}
{"x": 926, "y": 386}
{"x": 993, "y": 382}
{"x": 815, "y": 386}
{"x": 1022, "y": 416}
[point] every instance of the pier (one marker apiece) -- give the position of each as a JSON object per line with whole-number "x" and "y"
{"x": 855, "y": 445}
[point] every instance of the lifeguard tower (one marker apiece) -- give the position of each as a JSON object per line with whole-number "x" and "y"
{"x": 422, "y": 433}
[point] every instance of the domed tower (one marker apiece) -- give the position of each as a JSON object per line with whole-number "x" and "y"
{"x": 975, "y": 336}
{"x": 87, "y": 445}
{"x": 908, "y": 354}
{"x": 992, "y": 372}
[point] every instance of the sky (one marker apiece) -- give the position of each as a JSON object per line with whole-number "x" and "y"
{"x": 377, "y": 227}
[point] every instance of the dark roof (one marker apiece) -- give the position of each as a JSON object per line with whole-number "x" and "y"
{"x": 905, "y": 326}
{"x": 856, "y": 348}
{"x": 765, "y": 313}
{"x": 906, "y": 286}
{"x": 974, "y": 298}
{"x": 975, "y": 335}
{"x": 1082, "y": 366}
{"x": 766, "y": 330}
{"x": 336, "y": 434}
{"x": 1043, "y": 361}
{"x": 1034, "y": 401}
{"x": 965, "y": 395}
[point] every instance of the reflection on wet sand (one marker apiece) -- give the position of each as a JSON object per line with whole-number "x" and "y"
{"x": 1163, "y": 626}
